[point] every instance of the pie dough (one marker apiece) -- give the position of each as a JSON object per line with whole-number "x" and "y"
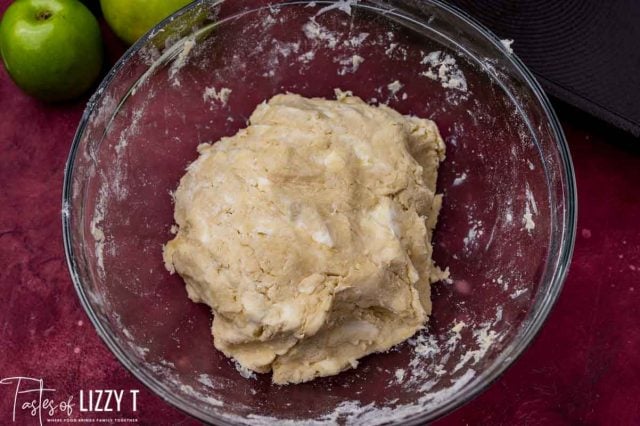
{"x": 308, "y": 233}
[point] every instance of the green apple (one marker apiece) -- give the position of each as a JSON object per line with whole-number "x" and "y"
{"x": 131, "y": 19}
{"x": 52, "y": 49}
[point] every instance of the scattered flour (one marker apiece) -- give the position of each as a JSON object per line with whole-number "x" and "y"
{"x": 140, "y": 351}
{"x": 149, "y": 54}
{"x": 424, "y": 346}
{"x": 485, "y": 338}
{"x": 507, "y": 45}
{"x": 390, "y": 49}
{"x": 221, "y": 96}
{"x": 269, "y": 20}
{"x": 508, "y": 217}
{"x": 350, "y": 64}
{"x": 394, "y": 88}
{"x": 285, "y": 49}
{"x": 502, "y": 283}
{"x": 123, "y": 140}
{"x": 519, "y": 292}
{"x": 96, "y": 229}
{"x": 181, "y": 60}
{"x": 342, "y": 5}
{"x": 455, "y": 335}
{"x": 530, "y": 208}
{"x": 530, "y": 199}
{"x": 66, "y": 209}
{"x": 207, "y": 381}
{"x": 474, "y": 232}
{"x": 342, "y": 94}
{"x": 356, "y": 40}
{"x": 307, "y": 57}
{"x": 458, "y": 327}
{"x": 314, "y": 31}
{"x": 442, "y": 67}
{"x": 460, "y": 179}
{"x": 527, "y": 220}
{"x": 244, "y": 371}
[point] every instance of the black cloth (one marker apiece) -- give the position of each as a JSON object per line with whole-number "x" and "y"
{"x": 584, "y": 52}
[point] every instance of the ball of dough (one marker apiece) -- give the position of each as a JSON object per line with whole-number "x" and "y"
{"x": 308, "y": 233}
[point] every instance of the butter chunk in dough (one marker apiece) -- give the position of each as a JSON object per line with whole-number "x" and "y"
{"x": 308, "y": 233}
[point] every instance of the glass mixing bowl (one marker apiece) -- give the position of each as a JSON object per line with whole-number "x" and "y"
{"x": 506, "y": 229}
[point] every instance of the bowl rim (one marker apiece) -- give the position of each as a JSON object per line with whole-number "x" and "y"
{"x": 532, "y": 329}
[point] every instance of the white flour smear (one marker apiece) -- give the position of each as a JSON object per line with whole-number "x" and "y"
{"x": 530, "y": 209}
{"x": 442, "y": 67}
{"x": 507, "y": 44}
{"x": 221, "y": 96}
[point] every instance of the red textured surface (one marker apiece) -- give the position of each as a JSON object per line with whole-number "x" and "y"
{"x": 584, "y": 368}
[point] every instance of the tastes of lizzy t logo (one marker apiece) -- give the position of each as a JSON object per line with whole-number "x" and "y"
{"x": 33, "y": 399}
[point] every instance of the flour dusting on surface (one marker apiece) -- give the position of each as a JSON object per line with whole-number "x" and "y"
{"x": 96, "y": 229}
{"x": 181, "y": 60}
{"x": 342, "y": 94}
{"x": 207, "y": 380}
{"x": 474, "y": 232}
{"x": 519, "y": 292}
{"x": 390, "y": 49}
{"x": 485, "y": 337}
{"x": 342, "y": 5}
{"x": 356, "y": 40}
{"x": 530, "y": 209}
{"x": 307, "y": 57}
{"x": 460, "y": 179}
{"x": 507, "y": 45}
{"x": 314, "y": 31}
{"x": 123, "y": 140}
{"x": 221, "y": 96}
{"x": 244, "y": 371}
{"x": 350, "y": 64}
{"x": 394, "y": 87}
{"x": 442, "y": 67}
{"x": 527, "y": 220}
{"x": 503, "y": 284}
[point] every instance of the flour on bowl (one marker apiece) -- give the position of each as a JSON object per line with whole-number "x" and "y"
{"x": 394, "y": 87}
{"x": 342, "y": 5}
{"x": 221, "y": 96}
{"x": 519, "y": 292}
{"x": 319, "y": 33}
{"x": 507, "y": 44}
{"x": 181, "y": 60}
{"x": 530, "y": 209}
{"x": 485, "y": 338}
{"x": 96, "y": 228}
{"x": 349, "y": 64}
{"x": 442, "y": 67}
{"x": 244, "y": 372}
{"x": 460, "y": 179}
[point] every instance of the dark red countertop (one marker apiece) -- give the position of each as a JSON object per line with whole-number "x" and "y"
{"x": 584, "y": 368}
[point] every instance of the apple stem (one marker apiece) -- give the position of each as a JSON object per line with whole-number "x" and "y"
{"x": 43, "y": 15}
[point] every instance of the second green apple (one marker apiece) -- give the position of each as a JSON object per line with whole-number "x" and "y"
{"x": 131, "y": 19}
